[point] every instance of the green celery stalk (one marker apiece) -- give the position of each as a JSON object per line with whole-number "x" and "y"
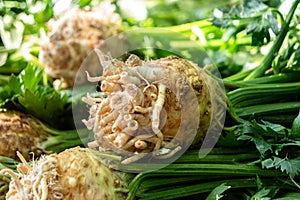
{"x": 261, "y": 90}
{"x": 193, "y": 189}
{"x": 239, "y": 76}
{"x": 277, "y": 78}
{"x": 266, "y": 63}
{"x": 268, "y": 109}
{"x": 201, "y": 169}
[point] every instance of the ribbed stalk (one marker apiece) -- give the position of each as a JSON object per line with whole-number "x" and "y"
{"x": 266, "y": 63}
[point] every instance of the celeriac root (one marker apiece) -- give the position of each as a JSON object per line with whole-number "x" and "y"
{"x": 72, "y": 37}
{"x": 73, "y": 174}
{"x": 149, "y": 106}
{"x": 21, "y": 132}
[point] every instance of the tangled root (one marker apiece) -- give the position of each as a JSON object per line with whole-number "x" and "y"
{"x": 35, "y": 185}
{"x": 72, "y": 37}
{"x": 73, "y": 174}
{"x": 140, "y": 107}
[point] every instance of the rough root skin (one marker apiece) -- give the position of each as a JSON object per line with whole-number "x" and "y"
{"x": 73, "y": 174}
{"x": 139, "y": 109}
{"x": 20, "y": 132}
{"x": 72, "y": 37}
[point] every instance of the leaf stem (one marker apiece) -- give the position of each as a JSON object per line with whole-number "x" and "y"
{"x": 296, "y": 184}
{"x": 266, "y": 63}
{"x": 267, "y": 109}
{"x": 277, "y": 78}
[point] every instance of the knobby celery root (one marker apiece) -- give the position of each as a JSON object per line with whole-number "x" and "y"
{"x": 73, "y": 174}
{"x": 139, "y": 111}
{"x": 21, "y": 132}
{"x": 32, "y": 137}
{"x": 72, "y": 36}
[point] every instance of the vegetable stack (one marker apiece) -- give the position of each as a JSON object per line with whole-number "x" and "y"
{"x": 149, "y": 110}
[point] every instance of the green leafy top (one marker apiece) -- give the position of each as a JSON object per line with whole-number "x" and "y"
{"x": 27, "y": 93}
{"x": 217, "y": 192}
{"x": 256, "y": 17}
{"x": 277, "y": 145}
